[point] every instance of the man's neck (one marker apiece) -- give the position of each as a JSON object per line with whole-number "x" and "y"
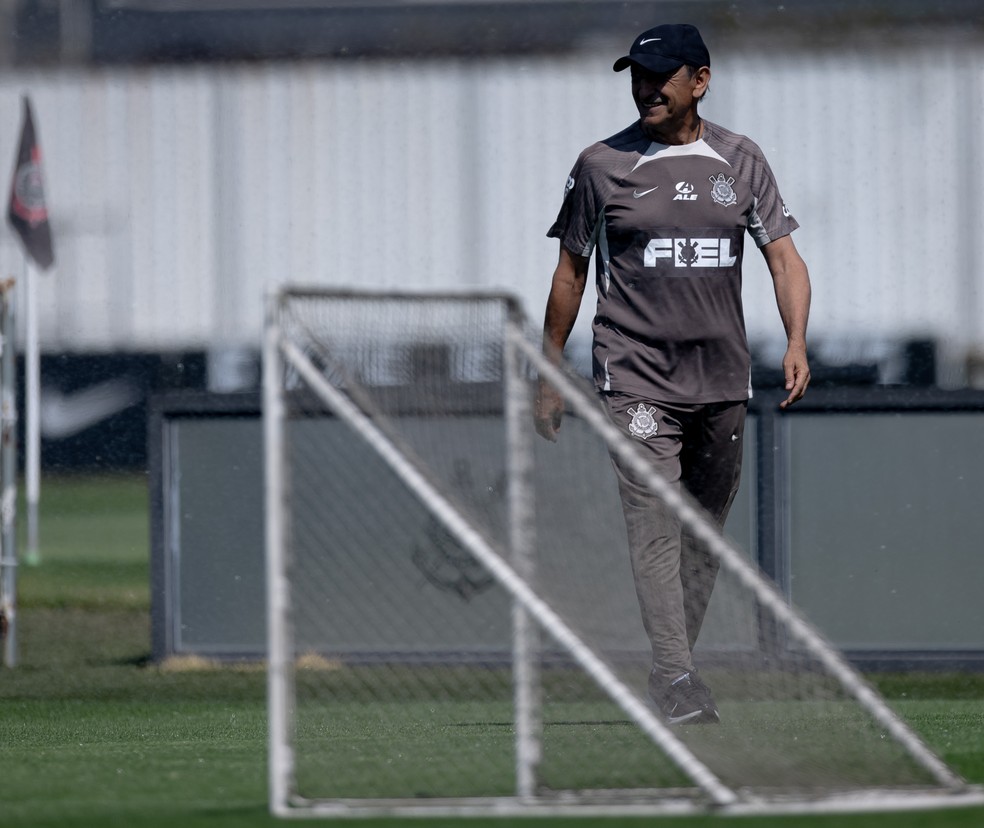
{"x": 688, "y": 133}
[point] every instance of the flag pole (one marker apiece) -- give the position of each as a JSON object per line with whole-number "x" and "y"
{"x": 8, "y": 476}
{"x": 32, "y": 415}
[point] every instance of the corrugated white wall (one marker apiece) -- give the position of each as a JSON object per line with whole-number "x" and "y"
{"x": 180, "y": 195}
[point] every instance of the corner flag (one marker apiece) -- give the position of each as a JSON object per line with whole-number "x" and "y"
{"x": 27, "y": 212}
{"x": 28, "y": 215}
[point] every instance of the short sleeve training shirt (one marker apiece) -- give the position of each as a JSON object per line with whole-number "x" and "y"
{"x": 668, "y": 226}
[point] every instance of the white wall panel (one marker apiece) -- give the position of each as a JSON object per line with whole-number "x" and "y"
{"x": 167, "y": 149}
{"x": 179, "y": 196}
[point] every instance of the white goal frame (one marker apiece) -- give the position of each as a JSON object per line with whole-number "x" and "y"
{"x": 530, "y": 611}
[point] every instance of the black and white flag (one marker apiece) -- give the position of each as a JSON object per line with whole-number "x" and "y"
{"x": 27, "y": 211}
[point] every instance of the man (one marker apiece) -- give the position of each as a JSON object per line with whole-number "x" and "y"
{"x": 664, "y": 205}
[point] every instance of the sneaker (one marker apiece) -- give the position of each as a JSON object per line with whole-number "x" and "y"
{"x": 688, "y": 701}
{"x": 712, "y": 715}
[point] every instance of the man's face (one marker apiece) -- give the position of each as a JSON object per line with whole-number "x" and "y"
{"x": 664, "y": 100}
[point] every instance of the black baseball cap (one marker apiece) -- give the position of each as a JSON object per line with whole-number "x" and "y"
{"x": 666, "y": 48}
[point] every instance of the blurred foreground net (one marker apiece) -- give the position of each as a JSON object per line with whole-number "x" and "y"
{"x": 454, "y": 626}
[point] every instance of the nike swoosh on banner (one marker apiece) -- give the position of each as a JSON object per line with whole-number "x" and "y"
{"x": 637, "y": 194}
{"x": 63, "y": 415}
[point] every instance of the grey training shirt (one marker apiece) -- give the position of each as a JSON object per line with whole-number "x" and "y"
{"x": 668, "y": 224}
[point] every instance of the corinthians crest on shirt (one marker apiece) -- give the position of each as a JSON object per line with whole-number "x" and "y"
{"x": 721, "y": 190}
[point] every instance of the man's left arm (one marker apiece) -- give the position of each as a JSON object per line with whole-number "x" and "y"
{"x": 792, "y": 284}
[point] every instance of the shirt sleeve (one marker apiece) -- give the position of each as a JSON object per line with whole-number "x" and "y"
{"x": 579, "y": 215}
{"x": 770, "y": 219}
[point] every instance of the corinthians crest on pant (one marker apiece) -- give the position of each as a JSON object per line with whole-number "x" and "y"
{"x": 643, "y": 423}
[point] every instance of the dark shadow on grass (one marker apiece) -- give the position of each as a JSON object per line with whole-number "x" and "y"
{"x": 142, "y": 660}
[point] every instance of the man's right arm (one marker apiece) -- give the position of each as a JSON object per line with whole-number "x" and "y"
{"x": 566, "y": 291}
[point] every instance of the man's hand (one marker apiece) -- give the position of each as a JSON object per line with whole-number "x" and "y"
{"x": 797, "y": 371}
{"x": 548, "y": 412}
{"x": 792, "y": 283}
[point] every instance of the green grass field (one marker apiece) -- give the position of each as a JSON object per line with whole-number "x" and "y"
{"x": 92, "y": 734}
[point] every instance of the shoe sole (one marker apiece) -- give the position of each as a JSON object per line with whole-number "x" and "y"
{"x": 696, "y": 717}
{"x": 689, "y": 717}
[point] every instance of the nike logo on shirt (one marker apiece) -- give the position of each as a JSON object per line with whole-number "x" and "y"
{"x": 637, "y": 194}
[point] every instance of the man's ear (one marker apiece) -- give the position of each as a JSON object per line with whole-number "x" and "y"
{"x": 701, "y": 79}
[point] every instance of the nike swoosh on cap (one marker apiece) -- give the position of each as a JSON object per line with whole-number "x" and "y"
{"x": 649, "y": 40}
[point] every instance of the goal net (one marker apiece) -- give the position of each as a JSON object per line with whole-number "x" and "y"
{"x": 453, "y": 625}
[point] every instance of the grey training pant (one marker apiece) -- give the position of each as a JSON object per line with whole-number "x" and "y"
{"x": 699, "y": 447}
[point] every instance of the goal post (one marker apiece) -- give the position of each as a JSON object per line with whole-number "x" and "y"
{"x": 452, "y": 628}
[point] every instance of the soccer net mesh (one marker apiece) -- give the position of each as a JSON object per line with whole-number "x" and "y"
{"x": 454, "y": 625}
